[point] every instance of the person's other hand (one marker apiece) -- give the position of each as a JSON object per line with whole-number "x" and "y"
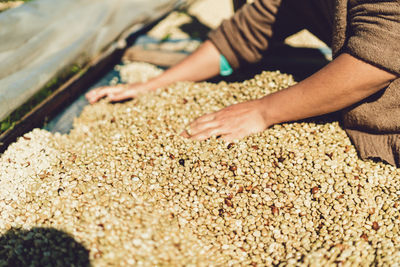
{"x": 117, "y": 92}
{"x": 231, "y": 123}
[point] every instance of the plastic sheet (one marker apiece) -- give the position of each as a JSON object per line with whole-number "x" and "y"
{"x": 41, "y": 38}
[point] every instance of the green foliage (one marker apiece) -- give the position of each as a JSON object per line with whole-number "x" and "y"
{"x": 166, "y": 37}
{"x": 47, "y": 90}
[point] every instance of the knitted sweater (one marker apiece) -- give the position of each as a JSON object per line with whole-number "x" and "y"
{"x": 366, "y": 29}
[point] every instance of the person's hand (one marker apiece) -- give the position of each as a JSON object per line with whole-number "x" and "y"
{"x": 117, "y": 92}
{"x": 231, "y": 123}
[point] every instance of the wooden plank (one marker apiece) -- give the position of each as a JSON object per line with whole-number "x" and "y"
{"x": 156, "y": 57}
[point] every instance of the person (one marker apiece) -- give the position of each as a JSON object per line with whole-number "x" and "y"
{"x": 362, "y": 81}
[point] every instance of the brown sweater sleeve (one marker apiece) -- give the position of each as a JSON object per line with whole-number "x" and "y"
{"x": 246, "y": 35}
{"x": 375, "y": 33}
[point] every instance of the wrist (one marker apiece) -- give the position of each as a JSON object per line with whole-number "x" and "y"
{"x": 148, "y": 86}
{"x": 268, "y": 111}
{"x": 158, "y": 82}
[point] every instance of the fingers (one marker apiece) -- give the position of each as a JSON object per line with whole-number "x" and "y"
{"x": 205, "y": 130}
{"x": 204, "y": 118}
{"x": 119, "y": 96}
{"x": 232, "y": 137}
{"x": 185, "y": 134}
{"x": 206, "y": 126}
{"x": 202, "y": 128}
{"x": 231, "y": 123}
{"x": 203, "y": 135}
{"x": 96, "y": 94}
{"x": 197, "y": 127}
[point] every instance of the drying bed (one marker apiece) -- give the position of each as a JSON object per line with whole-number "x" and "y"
{"x": 132, "y": 191}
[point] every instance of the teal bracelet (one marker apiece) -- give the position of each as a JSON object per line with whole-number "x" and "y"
{"x": 224, "y": 68}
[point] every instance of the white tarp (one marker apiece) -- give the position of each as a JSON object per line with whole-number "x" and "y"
{"x": 43, "y": 37}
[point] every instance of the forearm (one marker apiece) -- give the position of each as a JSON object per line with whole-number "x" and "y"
{"x": 345, "y": 81}
{"x": 200, "y": 65}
